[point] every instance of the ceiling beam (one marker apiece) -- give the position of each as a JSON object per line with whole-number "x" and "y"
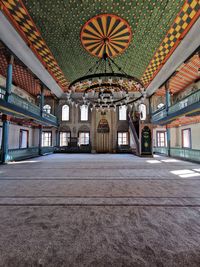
{"x": 187, "y": 46}
{"x": 16, "y": 44}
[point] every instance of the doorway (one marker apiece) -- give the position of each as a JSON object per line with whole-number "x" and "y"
{"x": 103, "y": 131}
{"x": 102, "y": 142}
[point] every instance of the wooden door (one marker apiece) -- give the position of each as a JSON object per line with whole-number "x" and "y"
{"x": 102, "y": 142}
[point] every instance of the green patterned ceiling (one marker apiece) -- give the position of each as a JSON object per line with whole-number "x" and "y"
{"x": 60, "y": 23}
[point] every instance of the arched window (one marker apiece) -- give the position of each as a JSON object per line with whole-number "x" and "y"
{"x": 65, "y": 113}
{"x": 122, "y": 113}
{"x": 143, "y": 112}
{"x": 160, "y": 105}
{"x": 84, "y": 113}
{"x": 47, "y": 109}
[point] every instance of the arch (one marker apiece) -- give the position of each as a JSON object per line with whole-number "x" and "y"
{"x": 47, "y": 108}
{"x": 65, "y": 113}
{"x": 84, "y": 128}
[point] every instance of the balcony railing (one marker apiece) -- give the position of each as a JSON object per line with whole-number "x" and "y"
{"x": 23, "y": 153}
{"x": 185, "y": 153}
{"x": 26, "y": 153}
{"x": 49, "y": 117}
{"x": 47, "y": 150}
{"x": 159, "y": 114}
{"x": 160, "y": 150}
{"x": 24, "y": 104}
{"x": 187, "y": 101}
{"x": 177, "y": 152}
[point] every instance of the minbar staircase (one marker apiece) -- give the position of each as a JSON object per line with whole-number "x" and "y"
{"x": 134, "y": 127}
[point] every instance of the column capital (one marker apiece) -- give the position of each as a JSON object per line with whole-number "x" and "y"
{"x": 6, "y": 117}
{"x": 11, "y": 59}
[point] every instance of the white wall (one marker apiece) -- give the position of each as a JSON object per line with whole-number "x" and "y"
{"x": 195, "y": 135}
{"x": 14, "y": 133}
{"x": 176, "y": 135}
{"x": 157, "y": 129}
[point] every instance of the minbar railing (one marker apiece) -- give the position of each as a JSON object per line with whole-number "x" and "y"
{"x": 184, "y": 103}
{"x": 26, "y": 106}
{"x": 135, "y": 135}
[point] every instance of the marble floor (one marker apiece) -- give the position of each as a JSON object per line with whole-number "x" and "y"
{"x": 100, "y": 210}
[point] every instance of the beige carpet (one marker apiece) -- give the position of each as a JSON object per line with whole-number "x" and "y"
{"x": 100, "y": 210}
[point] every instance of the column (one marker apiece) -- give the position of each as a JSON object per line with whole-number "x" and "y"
{"x": 167, "y": 96}
{"x": 9, "y": 78}
{"x": 57, "y": 138}
{"x": 168, "y": 140}
{"x": 5, "y": 134}
{"x": 40, "y": 140}
{"x": 150, "y": 108}
{"x": 41, "y": 100}
{"x": 168, "y": 103}
{"x": 6, "y": 118}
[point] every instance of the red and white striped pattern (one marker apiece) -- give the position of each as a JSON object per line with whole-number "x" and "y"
{"x": 184, "y": 121}
{"x": 185, "y": 76}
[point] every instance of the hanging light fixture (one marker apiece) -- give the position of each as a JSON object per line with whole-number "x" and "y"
{"x": 106, "y": 84}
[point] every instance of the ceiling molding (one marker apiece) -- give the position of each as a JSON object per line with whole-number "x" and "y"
{"x": 16, "y": 44}
{"x": 183, "y": 22}
{"x": 187, "y": 46}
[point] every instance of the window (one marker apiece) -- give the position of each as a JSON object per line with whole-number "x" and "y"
{"x": 161, "y": 139}
{"x": 2, "y": 93}
{"x": 84, "y": 138}
{"x": 186, "y": 138}
{"x": 122, "y": 113}
{"x": 143, "y": 112}
{"x": 23, "y": 139}
{"x": 160, "y": 105}
{"x": 65, "y": 113}
{"x": 46, "y": 138}
{"x": 1, "y": 133}
{"x": 47, "y": 109}
{"x": 84, "y": 112}
{"x": 64, "y": 138}
{"x": 122, "y": 138}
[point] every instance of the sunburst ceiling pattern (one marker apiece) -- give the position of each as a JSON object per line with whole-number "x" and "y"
{"x": 106, "y": 33}
{"x": 155, "y": 25}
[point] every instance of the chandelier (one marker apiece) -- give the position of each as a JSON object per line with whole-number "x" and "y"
{"x": 106, "y": 85}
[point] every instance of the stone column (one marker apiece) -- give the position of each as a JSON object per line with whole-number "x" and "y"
{"x": 40, "y": 140}
{"x": 57, "y": 138}
{"x": 93, "y": 127}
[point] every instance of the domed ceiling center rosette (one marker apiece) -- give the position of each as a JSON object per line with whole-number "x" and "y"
{"x": 106, "y": 33}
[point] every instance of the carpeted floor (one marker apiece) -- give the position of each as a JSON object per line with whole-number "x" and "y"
{"x": 100, "y": 210}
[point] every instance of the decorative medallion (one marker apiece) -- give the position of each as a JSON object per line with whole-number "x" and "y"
{"x": 103, "y": 126}
{"x": 106, "y": 33}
